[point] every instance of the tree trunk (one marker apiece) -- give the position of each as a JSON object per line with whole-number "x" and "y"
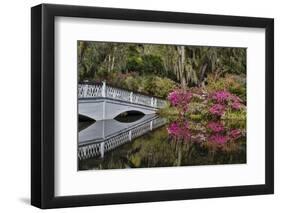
{"x": 181, "y": 62}
{"x": 112, "y": 63}
{"x": 202, "y": 72}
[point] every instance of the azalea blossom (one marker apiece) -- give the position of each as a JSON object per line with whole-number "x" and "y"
{"x": 221, "y": 96}
{"x": 217, "y": 109}
{"x": 215, "y": 126}
{"x": 236, "y": 105}
{"x": 180, "y": 99}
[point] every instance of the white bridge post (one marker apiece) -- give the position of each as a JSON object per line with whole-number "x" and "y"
{"x": 131, "y": 97}
{"x": 102, "y": 149}
{"x": 103, "y": 89}
{"x": 151, "y": 125}
{"x": 151, "y": 102}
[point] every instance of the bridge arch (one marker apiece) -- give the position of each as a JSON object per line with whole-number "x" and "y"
{"x": 117, "y": 113}
{"x": 103, "y": 109}
{"x": 82, "y": 117}
{"x": 129, "y": 116}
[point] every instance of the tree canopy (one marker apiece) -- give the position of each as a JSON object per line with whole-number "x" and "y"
{"x": 187, "y": 66}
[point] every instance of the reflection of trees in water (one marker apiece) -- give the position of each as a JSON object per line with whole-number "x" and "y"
{"x": 129, "y": 116}
{"x": 158, "y": 149}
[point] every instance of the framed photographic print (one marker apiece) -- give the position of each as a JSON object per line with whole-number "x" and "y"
{"x": 140, "y": 106}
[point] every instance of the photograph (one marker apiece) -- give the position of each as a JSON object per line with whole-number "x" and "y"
{"x": 158, "y": 105}
{"x": 133, "y": 105}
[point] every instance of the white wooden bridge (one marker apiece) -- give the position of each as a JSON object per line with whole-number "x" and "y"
{"x": 102, "y": 102}
{"x": 106, "y": 135}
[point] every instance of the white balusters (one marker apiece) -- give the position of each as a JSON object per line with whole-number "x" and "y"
{"x": 99, "y": 149}
{"x": 103, "y": 90}
{"x": 85, "y": 88}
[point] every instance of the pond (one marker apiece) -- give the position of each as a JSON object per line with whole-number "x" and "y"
{"x": 144, "y": 141}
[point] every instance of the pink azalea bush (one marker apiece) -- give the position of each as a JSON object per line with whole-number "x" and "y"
{"x": 215, "y": 126}
{"x": 180, "y": 99}
{"x": 215, "y": 105}
{"x": 217, "y": 109}
{"x": 223, "y": 99}
{"x": 236, "y": 105}
{"x": 221, "y": 96}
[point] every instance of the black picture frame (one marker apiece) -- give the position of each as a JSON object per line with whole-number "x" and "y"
{"x": 43, "y": 102}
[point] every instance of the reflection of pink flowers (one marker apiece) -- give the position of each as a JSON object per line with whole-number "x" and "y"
{"x": 198, "y": 138}
{"x": 215, "y": 126}
{"x": 173, "y": 128}
{"x": 218, "y": 139}
{"x": 235, "y": 134}
{"x": 179, "y": 130}
{"x": 217, "y": 109}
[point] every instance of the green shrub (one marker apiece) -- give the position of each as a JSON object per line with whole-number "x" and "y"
{"x": 233, "y": 83}
{"x": 235, "y": 119}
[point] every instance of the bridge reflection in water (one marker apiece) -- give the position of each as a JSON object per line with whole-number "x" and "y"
{"x": 106, "y": 135}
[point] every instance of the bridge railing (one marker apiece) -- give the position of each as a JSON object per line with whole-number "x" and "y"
{"x": 98, "y": 149}
{"x": 103, "y": 90}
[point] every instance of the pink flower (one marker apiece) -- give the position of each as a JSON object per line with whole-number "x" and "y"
{"x": 224, "y": 97}
{"x": 235, "y": 98}
{"x": 180, "y": 99}
{"x": 218, "y": 139}
{"x": 235, "y": 134}
{"x": 217, "y": 109}
{"x": 221, "y": 96}
{"x": 173, "y": 98}
{"x": 215, "y": 126}
{"x": 236, "y": 105}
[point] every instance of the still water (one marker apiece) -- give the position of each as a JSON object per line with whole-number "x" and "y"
{"x": 143, "y": 141}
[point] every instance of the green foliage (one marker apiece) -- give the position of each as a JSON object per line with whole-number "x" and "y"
{"x": 197, "y": 111}
{"x": 233, "y": 83}
{"x": 235, "y": 119}
{"x": 159, "y": 86}
{"x": 134, "y": 63}
{"x": 157, "y": 152}
{"x": 133, "y": 83}
{"x": 158, "y": 69}
{"x": 152, "y": 64}
{"x": 146, "y": 64}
